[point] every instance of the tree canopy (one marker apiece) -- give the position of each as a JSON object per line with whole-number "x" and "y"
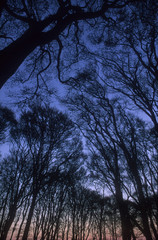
{"x": 91, "y": 173}
{"x": 42, "y": 31}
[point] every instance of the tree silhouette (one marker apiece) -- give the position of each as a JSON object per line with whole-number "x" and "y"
{"x": 46, "y": 144}
{"x": 42, "y": 28}
{"x": 118, "y": 143}
{"x": 15, "y": 179}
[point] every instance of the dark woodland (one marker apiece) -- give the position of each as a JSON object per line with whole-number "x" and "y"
{"x": 88, "y": 171}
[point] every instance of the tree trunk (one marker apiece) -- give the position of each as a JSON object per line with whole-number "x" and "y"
{"x": 143, "y": 205}
{"x": 125, "y": 221}
{"x": 13, "y": 55}
{"x": 22, "y": 222}
{"x": 133, "y": 166}
{"x": 28, "y": 223}
{"x": 12, "y": 213}
{"x": 124, "y": 213}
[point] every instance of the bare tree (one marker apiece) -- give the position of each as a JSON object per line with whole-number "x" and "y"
{"x": 46, "y": 147}
{"x": 130, "y": 69}
{"x": 118, "y": 142}
{"x": 15, "y": 179}
{"x": 96, "y": 120}
{"x": 41, "y": 30}
{"x": 52, "y": 142}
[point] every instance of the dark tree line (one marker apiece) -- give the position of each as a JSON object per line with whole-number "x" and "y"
{"x": 123, "y": 157}
{"x": 42, "y": 182}
{"x": 46, "y": 147}
{"x": 115, "y": 101}
{"x": 44, "y": 179}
